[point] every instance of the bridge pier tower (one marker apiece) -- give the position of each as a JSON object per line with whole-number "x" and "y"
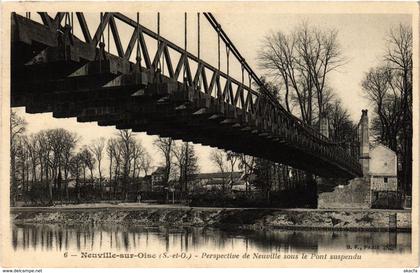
{"x": 364, "y": 142}
{"x": 357, "y": 193}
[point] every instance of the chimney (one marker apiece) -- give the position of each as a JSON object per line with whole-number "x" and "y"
{"x": 364, "y": 142}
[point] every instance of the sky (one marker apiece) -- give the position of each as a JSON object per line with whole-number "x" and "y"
{"x": 361, "y": 37}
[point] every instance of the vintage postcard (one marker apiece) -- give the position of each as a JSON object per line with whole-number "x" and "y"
{"x": 209, "y": 134}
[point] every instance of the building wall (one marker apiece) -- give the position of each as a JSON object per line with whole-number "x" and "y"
{"x": 377, "y": 188}
{"x": 383, "y": 178}
{"x": 383, "y": 162}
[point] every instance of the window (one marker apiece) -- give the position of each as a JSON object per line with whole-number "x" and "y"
{"x": 385, "y": 179}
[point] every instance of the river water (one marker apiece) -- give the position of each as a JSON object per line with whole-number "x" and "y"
{"x": 50, "y": 238}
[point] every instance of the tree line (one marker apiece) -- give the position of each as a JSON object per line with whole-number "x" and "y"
{"x": 43, "y": 163}
{"x": 301, "y": 61}
{"x": 298, "y": 66}
{"x": 389, "y": 88}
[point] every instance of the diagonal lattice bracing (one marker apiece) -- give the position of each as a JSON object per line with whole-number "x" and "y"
{"x": 185, "y": 98}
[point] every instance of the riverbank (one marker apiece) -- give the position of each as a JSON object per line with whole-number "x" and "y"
{"x": 225, "y": 218}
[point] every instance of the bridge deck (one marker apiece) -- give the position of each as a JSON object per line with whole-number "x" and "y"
{"x": 77, "y": 79}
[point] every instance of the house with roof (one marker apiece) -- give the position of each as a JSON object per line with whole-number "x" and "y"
{"x": 157, "y": 179}
{"x": 377, "y": 189}
{"x": 383, "y": 177}
{"x": 216, "y": 180}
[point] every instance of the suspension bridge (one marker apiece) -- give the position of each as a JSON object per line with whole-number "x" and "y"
{"x": 162, "y": 88}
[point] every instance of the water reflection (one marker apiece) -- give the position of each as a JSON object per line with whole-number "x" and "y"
{"x": 30, "y": 237}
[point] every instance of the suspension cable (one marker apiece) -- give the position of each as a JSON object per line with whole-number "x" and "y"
{"x": 66, "y": 19}
{"x": 227, "y": 60}
{"x": 71, "y": 24}
{"x": 108, "y": 38}
{"x": 185, "y": 32}
{"x": 102, "y": 33}
{"x": 221, "y": 34}
{"x": 158, "y": 40}
{"x": 185, "y": 45}
{"x": 249, "y": 86}
{"x": 101, "y": 44}
{"x": 198, "y": 35}
{"x": 198, "y": 47}
{"x": 162, "y": 66}
{"x": 218, "y": 47}
{"x": 138, "y": 51}
{"x": 242, "y": 70}
{"x": 242, "y": 83}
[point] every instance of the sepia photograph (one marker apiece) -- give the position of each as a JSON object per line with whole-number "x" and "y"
{"x": 225, "y": 134}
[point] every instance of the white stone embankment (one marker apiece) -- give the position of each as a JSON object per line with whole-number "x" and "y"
{"x": 220, "y": 217}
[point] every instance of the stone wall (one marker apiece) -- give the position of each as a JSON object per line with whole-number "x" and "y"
{"x": 354, "y": 195}
{"x": 403, "y": 220}
{"x": 370, "y": 191}
{"x": 386, "y": 200}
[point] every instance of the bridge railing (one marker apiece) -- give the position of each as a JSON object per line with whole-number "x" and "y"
{"x": 220, "y": 85}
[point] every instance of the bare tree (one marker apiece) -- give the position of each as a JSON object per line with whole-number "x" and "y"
{"x": 76, "y": 168}
{"x": 138, "y": 154}
{"x": 17, "y": 125}
{"x": 55, "y": 137}
{"x": 51, "y": 150}
{"x": 264, "y": 176}
{"x": 218, "y": 157}
{"x": 320, "y": 54}
{"x": 247, "y": 165}
{"x": 341, "y": 126}
{"x": 127, "y": 148}
{"x": 97, "y": 148}
{"x": 165, "y": 147}
{"x": 376, "y": 86}
{"x": 389, "y": 88}
{"x": 17, "y": 128}
{"x": 44, "y": 158}
{"x": 33, "y": 150}
{"x": 276, "y": 57}
{"x": 22, "y": 165}
{"x": 114, "y": 154}
{"x": 62, "y": 143}
{"x": 70, "y": 141}
{"x": 146, "y": 163}
{"x": 88, "y": 162}
{"x": 400, "y": 58}
{"x": 303, "y": 60}
{"x": 186, "y": 161}
{"x": 232, "y": 158}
